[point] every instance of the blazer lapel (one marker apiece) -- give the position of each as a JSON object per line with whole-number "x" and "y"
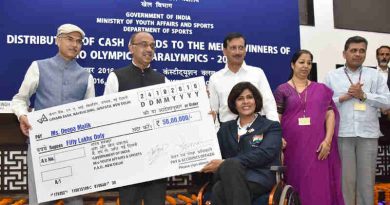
{"x": 388, "y": 77}
{"x": 233, "y": 131}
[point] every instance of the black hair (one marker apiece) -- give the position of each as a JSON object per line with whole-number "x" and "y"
{"x": 236, "y": 92}
{"x": 377, "y": 50}
{"x": 296, "y": 56}
{"x": 354, "y": 39}
{"x": 231, "y": 36}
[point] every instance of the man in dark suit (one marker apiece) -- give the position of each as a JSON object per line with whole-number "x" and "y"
{"x": 383, "y": 57}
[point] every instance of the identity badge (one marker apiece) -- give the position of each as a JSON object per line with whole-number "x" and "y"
{"x": 303, "y": 121}
{"x": 359, "y": 106}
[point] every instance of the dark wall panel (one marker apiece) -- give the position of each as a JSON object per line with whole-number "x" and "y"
{"x": 362, "y": 15}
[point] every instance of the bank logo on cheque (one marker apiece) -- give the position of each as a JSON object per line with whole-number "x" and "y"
{"x": 42, "y": 119}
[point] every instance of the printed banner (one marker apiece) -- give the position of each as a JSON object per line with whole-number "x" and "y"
{"x": 189, "y": 35}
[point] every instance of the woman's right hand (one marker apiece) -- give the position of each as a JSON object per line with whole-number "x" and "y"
{"x": 212, "y": 166}
{"x": 284, "y": 143}
{"x": 323, "y": 150}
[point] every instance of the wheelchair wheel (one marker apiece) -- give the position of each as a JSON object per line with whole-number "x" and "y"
{"x": 283, "y": 194}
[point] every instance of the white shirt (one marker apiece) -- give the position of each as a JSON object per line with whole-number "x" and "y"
{"x": 21, "y": 101}
{"x": 222, "y": 82}
{"x": 384, "y": 73}
{"x": 112, "y": 84}
{"x": 354, "y": 122}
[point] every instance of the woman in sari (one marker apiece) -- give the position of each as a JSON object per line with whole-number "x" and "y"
{"x": 309, "y": 121}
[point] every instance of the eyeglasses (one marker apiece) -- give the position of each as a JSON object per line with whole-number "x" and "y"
{"x": 233, "y": 48}
{"x": 145, "y": 45}
{"x": 70, "y": 39}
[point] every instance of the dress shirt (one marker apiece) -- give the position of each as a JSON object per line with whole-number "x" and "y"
{"x": 21, "y": 101}
{"x": 384, "y": 73}
{"x": 355, "y": 123}
{"x": 112, "y": 84}
{"x": 222, "y": 82}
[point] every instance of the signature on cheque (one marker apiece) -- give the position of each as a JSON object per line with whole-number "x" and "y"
{"x": 156, "y": 152}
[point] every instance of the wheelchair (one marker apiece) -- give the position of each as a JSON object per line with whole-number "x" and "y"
{"x": 281, "y": 193}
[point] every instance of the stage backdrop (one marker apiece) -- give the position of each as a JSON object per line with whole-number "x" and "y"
{"x": 188, "y": 33}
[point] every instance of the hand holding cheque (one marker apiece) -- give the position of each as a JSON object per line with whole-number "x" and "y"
{"x": 121, "y": 139}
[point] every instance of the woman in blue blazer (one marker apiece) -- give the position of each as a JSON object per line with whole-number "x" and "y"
{"x": 249, "y": 146}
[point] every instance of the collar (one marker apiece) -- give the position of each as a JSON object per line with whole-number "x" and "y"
{"x": 248, "y": 124}
{"x": 226, "y": 69}
{"x": 246, "y": 128}
{"x": 350, "y": 71}
{"x": 382, "y": 71}
{"x": 137, "y": 68}
{"x": 62, "y": 62}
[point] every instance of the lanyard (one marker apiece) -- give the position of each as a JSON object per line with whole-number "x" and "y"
{"x": 349, "y": 78}
{"x": 305, "y": 99}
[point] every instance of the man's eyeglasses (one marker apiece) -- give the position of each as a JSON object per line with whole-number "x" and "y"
{"x": 233, "y": 48}
{"x": 145, "y": 45}
{"x": 70, "y": 39}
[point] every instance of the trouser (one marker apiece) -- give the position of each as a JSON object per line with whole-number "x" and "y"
{"x": 152, "y": 193}
{"x": 32, "y": 192}
{"x": 231, "y": 186}
{"x": 358, "y": 161}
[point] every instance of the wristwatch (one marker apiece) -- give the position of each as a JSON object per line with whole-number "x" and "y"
{"x": 364, "y": 97}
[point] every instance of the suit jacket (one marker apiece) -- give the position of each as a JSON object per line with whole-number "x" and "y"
{"x": 388, "y": 79}
{"x": 257, "y": 150}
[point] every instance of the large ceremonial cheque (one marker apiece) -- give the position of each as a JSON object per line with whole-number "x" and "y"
{"x": 120, "y": 139}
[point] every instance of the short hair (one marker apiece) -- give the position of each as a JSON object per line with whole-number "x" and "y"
{"x": 131, "y": 41}
{"x": 236, "y": 92}
{"x": 354, "y": 39}
{"x": 232, "y": 36}
{"x": 296, "y": 56}
{"x": 377, "y": 50}
{"x": 132, "y": 37}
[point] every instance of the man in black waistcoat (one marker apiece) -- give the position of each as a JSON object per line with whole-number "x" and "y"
{"x": 138, "y": 74}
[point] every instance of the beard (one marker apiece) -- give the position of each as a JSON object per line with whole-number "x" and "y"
{"x": 383, "y": 62}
